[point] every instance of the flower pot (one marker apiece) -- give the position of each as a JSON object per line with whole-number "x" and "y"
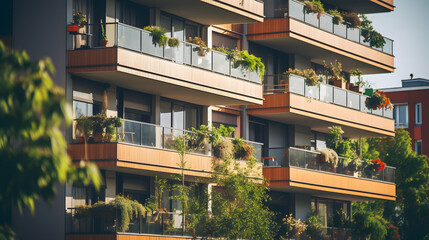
{"x": 81, "y": 139}
{"x": 355, "y": 89}
{"x": 98, "y": 137}
{"x": 337, "y": 83}
{"x": 72, "y": 28}
{"x": 103, "y": 43}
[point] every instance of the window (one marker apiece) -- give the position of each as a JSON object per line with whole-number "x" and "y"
{"x": 400, "y": 115}
{"x": 418, "y": 147}
{"x": 418, "y": 112}
{"x": 179, "y": 28}
{"x": 179, "y": 115}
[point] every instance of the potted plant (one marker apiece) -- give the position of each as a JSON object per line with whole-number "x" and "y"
{"x": 201, "y": 46}
{"x": 351, "y": 19}
{"x": 337, "y": 17}
{"x": 98, "y": 125}
{"x": 173, "y": 42}
{"x": 314, "y": 6}
{"x": 378, "y": 100}
{"x": 246, "y": 61}
{"x": 78, "y": 22}
{"x": 111, "y": 125}
{"x": 370, "y": 35}
{"x": 103, "y": 40}
{"x": 359, "y": 84}
{"x": 83, "y": 128}
{"x": 334, "y": 71}
{"x": 242, "y": 150}
{"x": 158, "y": 35}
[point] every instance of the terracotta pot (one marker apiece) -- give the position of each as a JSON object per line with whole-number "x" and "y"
{"x": 98, "y": 137}
{"x": 103, "y": 42}
{"x": 72, "y": 28}
{"x": 81, "y": 139}
{"x": 355, "y": 89}
{"x": 337, "y": 83}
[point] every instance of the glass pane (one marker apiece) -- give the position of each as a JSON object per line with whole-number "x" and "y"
{"x": 191, "y": 31}
{"x": 296, "y": 10}
{"x": 166, "y": 24}
{"x": 199, "y": 60}
{"x": 312, "y": 92}
{"x": 326, "y": 93}
{"x": 311, "y": 18}
{"x": 149, "y": 47}
{"x": 340, "y": 30}
{"x": 128, "y": 37}
{"x": 178, "y": 116}
{"x": 326, "y": 23}
{"x": 353, "y": 34}
{"x": 131, "y": 132}
{"x": 388, "y": 46}
{"x": 220, "y": 63}
{"x": 296, "y": 84}
{"x": 340, "y": 96}
{"x": 82, "y": 108}
{"x": 165, "y": 114}
{"x": 239, "y": 73}
{"x": 191, "y": 117}
{"x": 353, "y": 100}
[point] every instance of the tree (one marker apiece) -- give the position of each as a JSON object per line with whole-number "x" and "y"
{"x": 411, "y": 210}
{"x": 33, "y": 151}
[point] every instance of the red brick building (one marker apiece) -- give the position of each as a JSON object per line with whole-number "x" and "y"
{"x": 411, "y": 111}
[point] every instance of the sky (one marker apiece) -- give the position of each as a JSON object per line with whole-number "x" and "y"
{"x": 408, "y": 26}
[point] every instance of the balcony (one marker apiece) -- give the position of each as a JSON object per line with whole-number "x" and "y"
{"x": 212, "y": 12}
{"x": 165, "y": 224}
{"x": 297, "y": 169}
{"x": 367, "y": 6}
{"x": 293, "y": 30}
{"x": 289, "y": 100}
{"x": 130, "y": 60}
{"x": 149, "y": 148}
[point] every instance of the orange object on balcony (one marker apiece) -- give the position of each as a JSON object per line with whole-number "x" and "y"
{"x": 72, "y": 28}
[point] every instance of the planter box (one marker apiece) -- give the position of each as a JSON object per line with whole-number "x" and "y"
{"x": 355, "y": 89}
{"x": 72, "y": 28}
{"x": 338, "y": 83}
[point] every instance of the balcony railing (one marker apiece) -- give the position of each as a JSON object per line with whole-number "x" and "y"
{"x": 139, "y": 40}
{"x": 300, "y": 158}
{"x": 163, "y": 223}
{"x": 156, "y": 136}
{"x": 282, "y": 83}
{"x": 296, "y": 10}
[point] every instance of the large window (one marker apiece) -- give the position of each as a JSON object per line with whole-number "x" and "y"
{"x": 331, "y": 211}
{"x": 418, "y": 112}
{"x": 400, "y": 115}
{"x": 418, "y": 146}
{"x": 179, "y": 28}
{"x": 180, "y": 115}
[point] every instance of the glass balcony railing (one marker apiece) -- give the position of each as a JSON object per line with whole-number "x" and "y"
{"x": 139, "y": 40}
{"x": 300, "y": 158}
{"x": 162, "y": 223}
{"x": 283, "y": 83}
{"x": 296, "y": 10}
{"x": 156, "y": 136}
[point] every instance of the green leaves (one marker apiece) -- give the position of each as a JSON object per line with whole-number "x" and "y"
{"x": 33, "y": 151}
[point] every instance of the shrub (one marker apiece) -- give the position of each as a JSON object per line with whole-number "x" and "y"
{"x": 314, "y": 6}
{"x": 158, "y": 35}
{"x": 351, "y": 19}
{"x": 338, "y": 18}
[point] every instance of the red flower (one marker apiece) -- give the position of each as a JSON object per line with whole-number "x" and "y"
{"x": 378, "y": 164}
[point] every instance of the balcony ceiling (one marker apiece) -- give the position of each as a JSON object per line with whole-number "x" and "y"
{"x": 317, "y": 54}
{"x": 365, "y": 6}
{"x": 206, "y": 12}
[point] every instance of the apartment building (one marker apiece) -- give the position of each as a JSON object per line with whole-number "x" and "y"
{"x": 408, "y": 111}
{"x": 160, "y": 92}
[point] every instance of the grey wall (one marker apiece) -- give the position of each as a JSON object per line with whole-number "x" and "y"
{"x": 39, "y": 27}
{"x": 302, "y": 206}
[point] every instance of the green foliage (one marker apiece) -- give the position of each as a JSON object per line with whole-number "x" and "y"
{"x": 103, "y": 32}
{"x": 315, "y": 227}
{"x": 368, "y": 221}
{"x": 98, "y": 124}
{"x": 242, "y": 150}
{"x": 411, "y": 208}
{"x": 202, "y": 46}
{"x": 33, "y": 151}
{"x": 122, "y": 209}
{"x": 338, "y": 18}
{"x": 351, "y": 19}
{"x": 334, "y": 71}
{"x": 78, "y": 18}
{"x": 247, "y": 61}
{"x": 360, "y": 82}
{"x": 335, "y": 141}
{"x": 311, "y": 78}
{"x": 173, "y": 42}
{"x": 294, "y": 228}
{"x": 370, "y": 34}
{"x": 314, "y": 6}
{"x": 158, "y": 35}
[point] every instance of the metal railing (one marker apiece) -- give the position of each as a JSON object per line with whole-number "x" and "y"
{"x": 289, "y": 83}
{"x": 139, "y": 40}
{"x": 156, "y": 136}
{"x": 296, "y": 10}
{"x": 161, "y": 223}
{"x": 296, "y": 157}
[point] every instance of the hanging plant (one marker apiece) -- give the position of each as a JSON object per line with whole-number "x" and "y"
{"x": 378, "y": 100}
{"x": 337, "y": 17}
{"x": 173, "y": 42}
{"x": 314, "y": 6}
{"x": 157, "y": 34}
{"x": 311, "y": 78}
{"x": 329, "y": 156}
{"x": 370, "y": 35}
{"x": 351, "y": 19}
{"x": 246, "y": 61}
{"x": 202, "y": 46}
{"x": 242, "y": 150}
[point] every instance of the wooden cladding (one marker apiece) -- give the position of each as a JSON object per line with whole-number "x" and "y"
{"x": 289, "y": 178}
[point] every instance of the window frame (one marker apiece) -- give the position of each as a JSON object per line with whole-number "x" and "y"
{"x": 418, "y": 119}
{"x": 416, "y": 146}
{"x": 396, "y": 115}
